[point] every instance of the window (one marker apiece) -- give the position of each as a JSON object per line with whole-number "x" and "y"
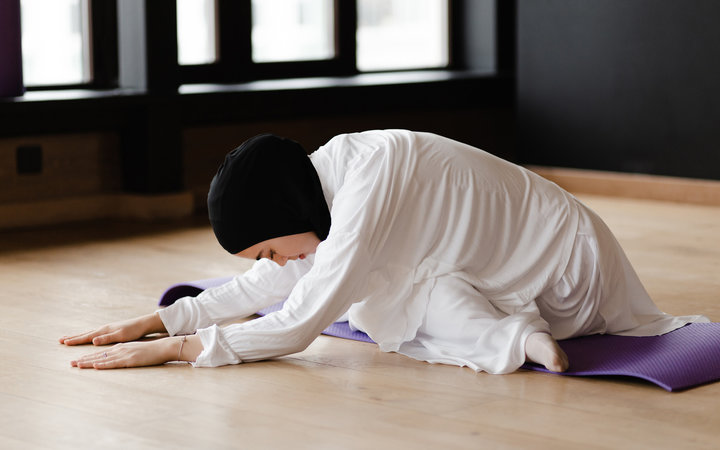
{"x": 292, "y": 30}
{"x": 402, "y": 34}
{"x": 55, "y": 42}
{"x": 196, "y": 31}
{"x": 231, "y": 40}
{"x": 74, "y": 43}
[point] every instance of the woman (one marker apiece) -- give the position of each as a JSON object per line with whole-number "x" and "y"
{"x": 435, "y": 249}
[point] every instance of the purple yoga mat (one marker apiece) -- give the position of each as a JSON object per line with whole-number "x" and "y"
{"x": 681, "y": 359}
{"x": 684, "y": 358}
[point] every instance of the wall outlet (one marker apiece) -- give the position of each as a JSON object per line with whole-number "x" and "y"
{"x": 29, "y": 159}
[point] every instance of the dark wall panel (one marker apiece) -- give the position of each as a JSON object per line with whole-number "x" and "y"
{"x": 625, "y": 85}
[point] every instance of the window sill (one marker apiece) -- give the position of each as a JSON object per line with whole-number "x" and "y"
{"x": 57, "y": 111}
{"x": 59, "y": 95}
{"x": 360, "y": 80}
{"x": 288, "y": 84}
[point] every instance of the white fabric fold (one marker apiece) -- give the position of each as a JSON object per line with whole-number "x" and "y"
{"x": 216, "y": 351}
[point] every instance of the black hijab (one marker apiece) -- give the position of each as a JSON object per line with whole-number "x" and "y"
{"x": 266, "y": 188}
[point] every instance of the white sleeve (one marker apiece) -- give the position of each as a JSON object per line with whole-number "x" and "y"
{"x": 265, "y": 284}
{"x": 318, "y": 299}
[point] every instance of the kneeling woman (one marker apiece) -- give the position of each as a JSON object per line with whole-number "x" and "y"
{"x": 435, "y": 249}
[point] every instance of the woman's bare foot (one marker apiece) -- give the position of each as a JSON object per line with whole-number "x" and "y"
{"x": 541, "y": 348}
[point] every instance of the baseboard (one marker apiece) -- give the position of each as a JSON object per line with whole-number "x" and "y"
{"x": 92, "y": 207}
{"x": 649, "y": 187}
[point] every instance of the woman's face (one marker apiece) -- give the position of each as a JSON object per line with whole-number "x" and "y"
{"x": 283, "y": 249}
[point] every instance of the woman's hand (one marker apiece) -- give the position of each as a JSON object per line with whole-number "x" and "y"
{"x": 124, "y": 331}
{"x": 139, "y": 354}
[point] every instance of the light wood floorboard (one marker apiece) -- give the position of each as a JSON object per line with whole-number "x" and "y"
{"x": 337, "y": 393}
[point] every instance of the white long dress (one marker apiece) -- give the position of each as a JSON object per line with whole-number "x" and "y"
{"x": 437, "y": 250}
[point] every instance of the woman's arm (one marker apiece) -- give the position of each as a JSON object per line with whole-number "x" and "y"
{"x": 319, "y": 298}
{"x": 123, "y": 331}
{"x": 263, "y": 285}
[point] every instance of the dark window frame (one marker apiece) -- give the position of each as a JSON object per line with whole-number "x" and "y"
{"x": 235, "y": 65}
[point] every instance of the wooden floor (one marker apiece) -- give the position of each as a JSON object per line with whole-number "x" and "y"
{"x": 337, "y": 393}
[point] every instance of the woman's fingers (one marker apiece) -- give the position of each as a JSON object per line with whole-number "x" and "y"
{"x": 132, "y": 354}
{"x": 84, "y": 338}
{"x": 108, "y": 334}
{"x": 98, "y": 337}
{"x": 100, "y": 360}
{"x": 89, "y": 360}
{"x": 123, "y": 331}
{"x": 108, "y": 338}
